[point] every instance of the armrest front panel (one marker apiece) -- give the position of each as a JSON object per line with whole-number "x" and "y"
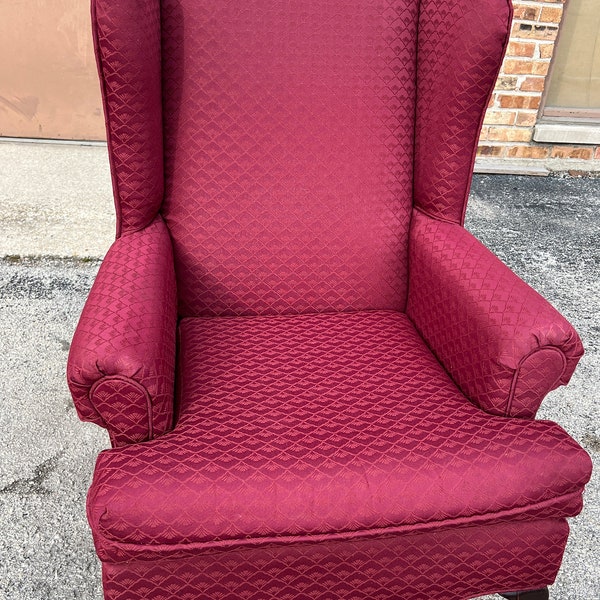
{"x": 122, "y": 360}
{"x": 502, "y": 343}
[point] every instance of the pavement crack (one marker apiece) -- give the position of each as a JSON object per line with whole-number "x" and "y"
{"x": 34, "y": 484}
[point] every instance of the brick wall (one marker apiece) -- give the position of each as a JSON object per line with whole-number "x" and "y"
{"x": 515, "y": 104}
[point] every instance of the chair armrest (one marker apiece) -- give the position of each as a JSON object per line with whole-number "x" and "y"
{"x": 502, "y": 343}
{"x": 122, "y": 360}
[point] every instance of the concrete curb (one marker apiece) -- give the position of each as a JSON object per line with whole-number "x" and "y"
{"x": 56, "y": 199}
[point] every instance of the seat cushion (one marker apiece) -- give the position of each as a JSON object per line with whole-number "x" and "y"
{"x": 315, "y": 426}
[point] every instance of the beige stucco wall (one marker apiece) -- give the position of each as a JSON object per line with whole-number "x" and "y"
{"x": 48, "y": 81}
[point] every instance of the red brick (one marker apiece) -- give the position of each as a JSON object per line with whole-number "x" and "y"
{"x": 534, "y": 32}
{"x": 581, "y": 153}
{"x": 526, "y": 119}
{"x": 506, "y": 82}
{"x": 509, "y": 134}
{"x": 541, "y": 67}
{"x": 551, "y": 14}
{"x": 525, "y": 66}
{"x": 487, "y": 150}
{"x": 597, "y": 153}
{"x": 518, "y": 67}
{"x": 546, "y": 50}
{"x": 500, "y": 117}
{"x": 528, "y": 152}
{"x": 527, "y": 13}
{"x": 526, "y": 49}
{"x": 517, "y": 101}
{"x": 532, "y": 84}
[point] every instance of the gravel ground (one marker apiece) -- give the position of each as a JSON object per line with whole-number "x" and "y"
{"x": 46, "y": 453}
{"x": 546, "y": 229}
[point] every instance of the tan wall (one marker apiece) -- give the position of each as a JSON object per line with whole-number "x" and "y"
{"x": 48, "y": 81}
{"x": 49, "y": 85}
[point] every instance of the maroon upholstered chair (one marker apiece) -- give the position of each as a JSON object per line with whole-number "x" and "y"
{"x": 317, "y": 384}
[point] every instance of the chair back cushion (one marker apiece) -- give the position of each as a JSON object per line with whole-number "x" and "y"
{"x": 289, "y": 134}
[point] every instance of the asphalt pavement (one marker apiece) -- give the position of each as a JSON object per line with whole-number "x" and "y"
{"x": 56, "y": 225}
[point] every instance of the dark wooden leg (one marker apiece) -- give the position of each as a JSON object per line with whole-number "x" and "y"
{"x": 542, "y": 594}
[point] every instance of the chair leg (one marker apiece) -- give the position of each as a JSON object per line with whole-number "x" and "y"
{"x": 542, "y": 594}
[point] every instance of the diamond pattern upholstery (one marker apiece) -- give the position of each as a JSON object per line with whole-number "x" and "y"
{"x": 289, "y": 190}
{"x": 323, "y": 424}
{"x": 127, "y": 42}
{"x": 317, "y": 384}
{"x": 503, "y": 344}
{"x": 452, "y": 564}
{"x": 122, "y": 360}
{"x": 460, "y": 50}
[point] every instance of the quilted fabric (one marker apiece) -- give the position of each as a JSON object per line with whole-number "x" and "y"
{"x": 502, "y": 343}
{"x": 288, "y": 153}
{"x": 331, "y": 424}
{"x": 122, "y": 360}
{"x": 461, "y": 45}
{"x": 442, "y": 565}
{"x": 127, "y": 42}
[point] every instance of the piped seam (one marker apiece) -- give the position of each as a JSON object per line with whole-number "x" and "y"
{"x": 136, "y": 384}
{"x": 423, "y": 527}
{"x": 517, "y": 373}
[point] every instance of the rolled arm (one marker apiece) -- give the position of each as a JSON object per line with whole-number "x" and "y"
{"x": 122, "y": 360}
{"x": 502, "y": 343}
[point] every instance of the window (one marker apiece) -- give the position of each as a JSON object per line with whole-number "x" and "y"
{"x": 571, "y": 111}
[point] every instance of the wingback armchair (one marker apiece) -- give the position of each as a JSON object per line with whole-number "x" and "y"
{"x": 316, "y": 382}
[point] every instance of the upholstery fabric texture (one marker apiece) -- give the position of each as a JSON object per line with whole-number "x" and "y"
{"x": 288, "y": 153}
{"x": 128, "y": 52}
{"x": 293, "y": 426}
{"x": 316, "y": 383}
{"x": 503, "y": 344}
{"x": 460, "y": 50}
{"x": 450, "y": 564}
{"x": 121, "y": 367}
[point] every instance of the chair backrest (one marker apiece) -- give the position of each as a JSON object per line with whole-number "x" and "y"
{"x": 285, "y": 143}
{"x": 289, "y": 152}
